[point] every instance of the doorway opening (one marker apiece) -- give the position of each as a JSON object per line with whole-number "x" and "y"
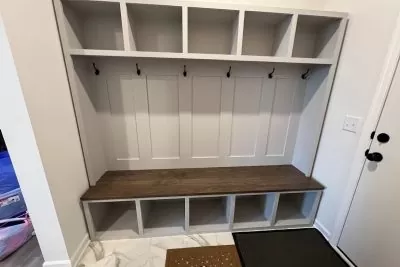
{"x": 18, "y": 243}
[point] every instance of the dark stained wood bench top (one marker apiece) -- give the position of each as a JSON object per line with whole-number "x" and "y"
{"x": 200, "y": 181}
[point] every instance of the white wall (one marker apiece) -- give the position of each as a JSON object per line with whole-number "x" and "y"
{"x": 33, "y": 36}
{"x": 368, "y": 35}
{"x": 18, "y": 133}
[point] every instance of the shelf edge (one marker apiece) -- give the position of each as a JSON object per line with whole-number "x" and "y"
{"x": 193, "y": 56}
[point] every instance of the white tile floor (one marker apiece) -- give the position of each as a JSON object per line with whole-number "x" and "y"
{"x": 146, "y": 252}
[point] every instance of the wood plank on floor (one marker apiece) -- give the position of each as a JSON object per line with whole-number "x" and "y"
{"x": 200, "y": 181}
{"x": 29, "y": 255}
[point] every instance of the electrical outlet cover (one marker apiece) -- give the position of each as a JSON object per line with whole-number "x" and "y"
{"x": 351, "y": 123}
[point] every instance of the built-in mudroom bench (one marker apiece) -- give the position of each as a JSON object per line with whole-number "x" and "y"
{"x": 198, "y": 117}
{"x": 128, "y": 204}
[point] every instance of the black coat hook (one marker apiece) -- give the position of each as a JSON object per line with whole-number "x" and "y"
{"x": 96, "y": 70}
{"x": 270, "y": 75}
{"x": 138, "y": 70}
{"x": 184, "y": 71}
{"x": 305, "y": 75}
{"x": 228, "y": 74}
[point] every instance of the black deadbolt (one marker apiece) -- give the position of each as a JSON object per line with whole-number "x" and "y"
{"x": 383, "y": 137}
{"x": 375, "y": 156}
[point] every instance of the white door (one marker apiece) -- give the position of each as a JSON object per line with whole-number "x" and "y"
{"x": 371, "y": 235}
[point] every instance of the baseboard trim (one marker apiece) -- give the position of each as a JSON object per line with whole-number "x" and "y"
{"x": 325, "y": 232}
{"x": 344, "y": 257}
{"x": 57, "y": 264}
{"x": 77, "y": 256}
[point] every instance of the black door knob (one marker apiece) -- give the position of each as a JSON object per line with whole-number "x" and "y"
{"x": 383, "y": 137}
{"x": 375, "y": 156}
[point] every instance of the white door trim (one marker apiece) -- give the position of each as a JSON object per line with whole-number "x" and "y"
{"x": 370, "y": 124}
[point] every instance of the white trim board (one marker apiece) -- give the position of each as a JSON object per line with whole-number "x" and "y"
{"x": 325, "y": 232}
{"x": 75, "y": 258}
{"x": 343, "y": 256}
{"x": 57, "y": 264}
{"x": 370, "y": 125}
{"x": 78, "y": 254}
{"x": 220, "y": 57}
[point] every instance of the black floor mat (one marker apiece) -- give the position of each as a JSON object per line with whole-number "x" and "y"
{"x": 288, "y": 248}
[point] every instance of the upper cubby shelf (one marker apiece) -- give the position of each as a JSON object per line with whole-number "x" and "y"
{"x": 237, "y": 58}
{"x": 213, "y": 31}
{"x": 266, "y": 34}
{"x": 93, "y": 25}
{"x": 316, "y": 37}
{"x": 155, "y": 28}
{"x": 186, "y": 30}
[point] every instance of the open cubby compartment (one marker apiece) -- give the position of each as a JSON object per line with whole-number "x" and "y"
{"x": 93, "y": 25}
{"x": 296, "y": 208}
{"x": 209, "y": 213}
{"x": 213, "y": 31}
{"x": 163, "y": 216}
{"x": 114, "y": 220}
{"x": 266, "y": 34}
{"x": 316, "y": 37}
{"x": 156, "y": 28}
{"x": 252, "y": 211}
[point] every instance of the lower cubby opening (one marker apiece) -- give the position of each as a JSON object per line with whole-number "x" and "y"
{"x": 163, "y": 216}
{"x": 209, "y": 214}
{"x": 114, "y": 220}
{"x": 295, "y": 208}
{"x": 253, "y": 211}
